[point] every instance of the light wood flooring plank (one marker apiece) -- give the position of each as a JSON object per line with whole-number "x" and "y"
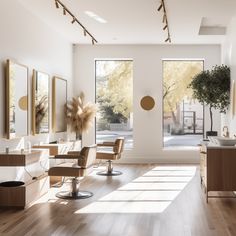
{"x": 186, "y": 214}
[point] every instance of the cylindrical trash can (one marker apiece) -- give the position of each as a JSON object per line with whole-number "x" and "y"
{"x": 11, "y": 184}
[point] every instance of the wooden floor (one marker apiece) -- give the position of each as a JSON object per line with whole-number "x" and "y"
{"x": 144, "y": 201}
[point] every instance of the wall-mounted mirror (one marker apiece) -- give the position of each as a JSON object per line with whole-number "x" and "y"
{"x": 59, "y": 99}
{"x": 40, "y": 102}
{"x": 16, "y": 100}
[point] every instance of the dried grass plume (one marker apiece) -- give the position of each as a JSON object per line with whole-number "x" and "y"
{"x": 41, "y": 110}
{"x": 80, "y": 115}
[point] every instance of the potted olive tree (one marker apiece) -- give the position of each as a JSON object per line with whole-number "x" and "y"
{"x": 212, "y": 88}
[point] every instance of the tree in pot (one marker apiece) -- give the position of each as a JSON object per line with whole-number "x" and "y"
{"x": 212, "y": 88}
{"x": 80, "y": 115}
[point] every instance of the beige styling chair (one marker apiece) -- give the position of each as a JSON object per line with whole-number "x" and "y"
{"x": 109, "y": 156}
{"x": 86, "y": 158}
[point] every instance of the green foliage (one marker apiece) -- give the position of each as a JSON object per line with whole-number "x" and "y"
{"x": 213, "y": 87}
{"x": 108, "y": 114}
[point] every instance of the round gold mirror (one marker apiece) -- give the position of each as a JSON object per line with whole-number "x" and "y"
{"x": 147, "y": 103}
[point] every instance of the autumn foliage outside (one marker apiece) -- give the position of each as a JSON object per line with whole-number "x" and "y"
{"x": 182, "y": 115}
{"x": 114, "y": 96}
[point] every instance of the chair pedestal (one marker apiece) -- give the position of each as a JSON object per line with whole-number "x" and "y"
{"x": 109, "y": 171}
{"x": 74, "y": 193}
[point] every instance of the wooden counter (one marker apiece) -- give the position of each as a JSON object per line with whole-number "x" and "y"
{"x": 60, "y": 148}
{"x": 218, "y": 168}
{"x": 24, "y": 195}
{"x": 16, "y": 158}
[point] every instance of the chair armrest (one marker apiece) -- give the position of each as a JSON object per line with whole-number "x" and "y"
{"x": 68, "y": 156}
{"x": 106, "y": 144}
{"x": 73, "y": 153}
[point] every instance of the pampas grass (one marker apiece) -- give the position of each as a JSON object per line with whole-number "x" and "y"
{"x": 80, "y": 115}
{"x": 41, "y": 110}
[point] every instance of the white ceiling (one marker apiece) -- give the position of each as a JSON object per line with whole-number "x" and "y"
{"x": 136, "y": 21}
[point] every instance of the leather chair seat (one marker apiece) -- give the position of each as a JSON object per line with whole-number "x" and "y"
{"x": 69, "y": 169}
{"x": 107, "y": 155}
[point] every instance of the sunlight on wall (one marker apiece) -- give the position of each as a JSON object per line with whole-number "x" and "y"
{"x": 151, "y": 193}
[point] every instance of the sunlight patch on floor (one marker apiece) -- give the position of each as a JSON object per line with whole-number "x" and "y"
{"x": 153, "y": 186}
{"x": 174, "y": 148}
{"x": 170, "y": 173}
{"x": 125, "y": 207}
{"x": 140, "y": 196}
{"x": 151, "y": 193}
{"x": 178, "y": 179}
{"x": 176, "y": 168}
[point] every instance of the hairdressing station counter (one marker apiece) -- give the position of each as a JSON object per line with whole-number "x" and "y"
{"x": 30, "y": 168}
{"x": 218, "y": 168}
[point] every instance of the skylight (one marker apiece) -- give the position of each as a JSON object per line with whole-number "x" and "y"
{"x": 95, "y": 17}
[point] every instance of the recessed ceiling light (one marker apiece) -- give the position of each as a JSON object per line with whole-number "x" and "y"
{"x": 95, "y": 17}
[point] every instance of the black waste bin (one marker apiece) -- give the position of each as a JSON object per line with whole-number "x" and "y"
{"x": 11, "y": 184}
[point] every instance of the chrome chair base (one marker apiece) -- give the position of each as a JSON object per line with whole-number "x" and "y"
{"x": 107, "y": 173}
{"x": 71, "y": 195}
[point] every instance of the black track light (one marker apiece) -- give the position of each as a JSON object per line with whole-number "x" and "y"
{"x": 165, "y": 27}
{"x": 64, "y": 11}
{"x": 164, "y": 18}
{"x": 159, "y": 8}
{"x": 73, "y": 21}
{"x": 57, "y": 4}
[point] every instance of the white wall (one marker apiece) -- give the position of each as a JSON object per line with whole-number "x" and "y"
{"x": 27, "y": 40}
{"x": 147, "y": 81}
{"x": 229, "y": 58}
